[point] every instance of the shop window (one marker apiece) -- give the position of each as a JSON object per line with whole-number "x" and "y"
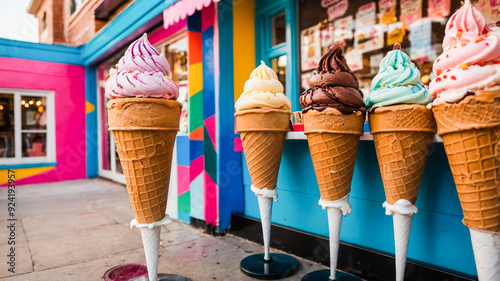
{"x": 279, "y": 29}
{"x": 275, "y": 37}
{"x": 75, "y": 5}
{"x": 44, "y": 21}
{"x": 26, "y": 127}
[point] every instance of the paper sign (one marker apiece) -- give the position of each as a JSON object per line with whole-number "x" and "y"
{"x": 327, "y": 37}
{"x": 337, "y": 9}
{"x": 387, "y": 11}
{"x": 343, "y": 29}
{"x": 411, "y": 10}
{"x": 369, "y": 38}
{"x": 438, "y": 8}
{"x": 310, "y": 47}
{"x": 420, "y": 39}
{"x": 366, "y": 15}
{"x": 395, "y": 33}
{"x": 354, "y": 59}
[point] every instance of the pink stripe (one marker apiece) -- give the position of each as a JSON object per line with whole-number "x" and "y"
{"x": 210, "y": 126}
{"x": 211, "y": 196}
{"x": 238, "y": 147}
{"x": 197, "y": 166}
{"x": 182, "y": 179}
{"x": 162, "y": 33}
{"x": 207, "y": 17}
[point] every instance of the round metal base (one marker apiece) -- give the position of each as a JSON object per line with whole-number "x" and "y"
{"x": 125, "y": 272}
{"x": 324, "y": 275}
{"x": 162, "y": 277}
{"x": 279, "y": 266}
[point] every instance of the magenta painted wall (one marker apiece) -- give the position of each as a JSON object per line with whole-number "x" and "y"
{"x": 68, "y": 83}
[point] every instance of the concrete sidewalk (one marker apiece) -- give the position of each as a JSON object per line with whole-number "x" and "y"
{"x": 76, "y": 230}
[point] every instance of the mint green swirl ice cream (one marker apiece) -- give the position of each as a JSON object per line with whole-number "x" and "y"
{"x": 398, "y": 82}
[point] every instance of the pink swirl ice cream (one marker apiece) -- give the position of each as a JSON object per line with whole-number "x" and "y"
{"x": 142, "y": 72}
{"x": 470, "y": 60}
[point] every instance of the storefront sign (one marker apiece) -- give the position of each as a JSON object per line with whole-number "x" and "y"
{"x": 354, "y": 59}
{"x": 343, "y": 29}
{"x": 395, "y": 33}
{"x": 438, "y": 8}
{"x": 387, "y": 11}
{"x": 337, "y": 9}
{"x": 366, "y": 15}
{"x": 369, "y": 38}
{"x": 420, "y": 39}
{"x": 310, "y": 47}
{"x": 411, "y": 10}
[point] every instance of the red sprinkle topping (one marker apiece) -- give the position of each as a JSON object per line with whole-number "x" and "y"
{"x": 438, "y": 79}
{"x": 447, "y": 56}
{"x": 453, "y": 78}
{"x": 444, "y": 76}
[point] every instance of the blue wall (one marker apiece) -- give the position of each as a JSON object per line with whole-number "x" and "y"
{"x": 438, "y": 238}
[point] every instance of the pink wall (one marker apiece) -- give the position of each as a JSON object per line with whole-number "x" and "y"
{"x": 68, "y": 83}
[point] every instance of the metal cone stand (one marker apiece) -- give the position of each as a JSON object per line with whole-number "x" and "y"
{"x": 334, "y": 222}
{"x": 268, "y": 266}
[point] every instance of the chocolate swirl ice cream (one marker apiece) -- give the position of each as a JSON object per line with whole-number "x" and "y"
{"x": 333, "y": 85}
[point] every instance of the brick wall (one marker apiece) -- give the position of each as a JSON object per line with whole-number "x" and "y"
{"x": 45, "y": 35}
{"x": 82, "y": 25}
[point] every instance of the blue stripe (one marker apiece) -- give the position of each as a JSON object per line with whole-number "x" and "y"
{"x": 183, "y": 151}
{"x": 182, "y": 216}
{"x": 208, "y": 72}
{"x": 196, "y": 149}
{"x": 26, "y": 166}
{"x": 228, "y": 162}
{"x": 40, "y": 52}
{"x": 91, "y": 123}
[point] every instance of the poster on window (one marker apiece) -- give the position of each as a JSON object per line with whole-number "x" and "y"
{"x": 327, "y": 37}
{"x": 438, "y": 8}
{"x": 335, "y": 8}
{"x": 395, "y": 33}
{"x": 387, "y": 10}
{"x": 366, "y": 15}
{"x": 343, "y": 29}
{"x": 310, "y": 47}
{"x": 411, "y": 10}
{"x": 369, "y": 38}
{"x": 354, "y": 59}
{"x": 420, "y": 39}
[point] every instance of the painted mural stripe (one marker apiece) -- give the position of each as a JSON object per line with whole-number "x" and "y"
{"x": 182, "y": 179}
{"x": 196, "y": 111}
{"x": 207, "y": 17}
{"x": 196, "y": 167}
{"x": 208, "y": 73}
{"x": 194, "y": 22}
{"x": 210, "y": 200}
{"x": 210, "y": 125}
{"x": 196, "y": 188}
{"x": 195, "y": 74}
{"x": 197, "y": 134}
{"x": 196, "y": 148}
{"x": 22, "y": 173}
{"x": 210, "y": 158}
{"x": 89, "y": 107}
{"x": 184, "y": 203}
{"x": 183, "y": 151}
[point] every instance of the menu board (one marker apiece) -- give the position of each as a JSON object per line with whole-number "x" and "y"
{"x": 387, "y": 10}
{"x": 411, "y": 10}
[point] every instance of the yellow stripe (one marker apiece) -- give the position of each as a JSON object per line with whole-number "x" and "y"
{"x": 244, "y": 43}
{"x": 89, "y": 107}
{"x": 195, "y": 76}
{"x": 22, "y": 173}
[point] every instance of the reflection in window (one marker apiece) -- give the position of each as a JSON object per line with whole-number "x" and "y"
{"x": 278, "y": 64}
{"x": 279, "y": 29}
{"x": 7, "y": 143}
{"x": 34, "y": 126}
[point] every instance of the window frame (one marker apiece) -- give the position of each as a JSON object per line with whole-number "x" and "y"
{"x": 50, "y": 131}
{"x": 266, "y": 51}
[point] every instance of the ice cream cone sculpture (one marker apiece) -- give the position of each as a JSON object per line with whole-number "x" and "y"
{"x": 262, "y": 120}
{"x": 333, "y": 117}
{"x": 144, "y": 118}
{"x": 467, "y": 112}
{"x": 402, "y": 128}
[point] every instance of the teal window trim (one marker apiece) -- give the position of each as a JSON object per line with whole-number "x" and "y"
{"x": 28, "y": 165}
{"x": 264, "y": 12}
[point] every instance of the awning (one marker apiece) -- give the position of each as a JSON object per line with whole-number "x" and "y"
{"x": 183, "y": 8}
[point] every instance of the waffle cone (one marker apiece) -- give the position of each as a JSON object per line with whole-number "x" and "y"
{"x": 262, "y": 134}
{"x": 144, "y": 130}
{"x": 333, "y": 143}
{"x": 402, "y": 135}
{"x": 470, "y": 131}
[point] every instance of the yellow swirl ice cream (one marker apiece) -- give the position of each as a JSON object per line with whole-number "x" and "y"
{"x": 262, "y": 90}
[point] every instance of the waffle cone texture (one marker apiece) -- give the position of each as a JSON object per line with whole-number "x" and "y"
{"x": 333, "y": 140}
{"x": 470, "y": 131}
{"x": 402, "y": 135}
{"x": 262, "y": 134}
{"x": 144, "y": 130}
